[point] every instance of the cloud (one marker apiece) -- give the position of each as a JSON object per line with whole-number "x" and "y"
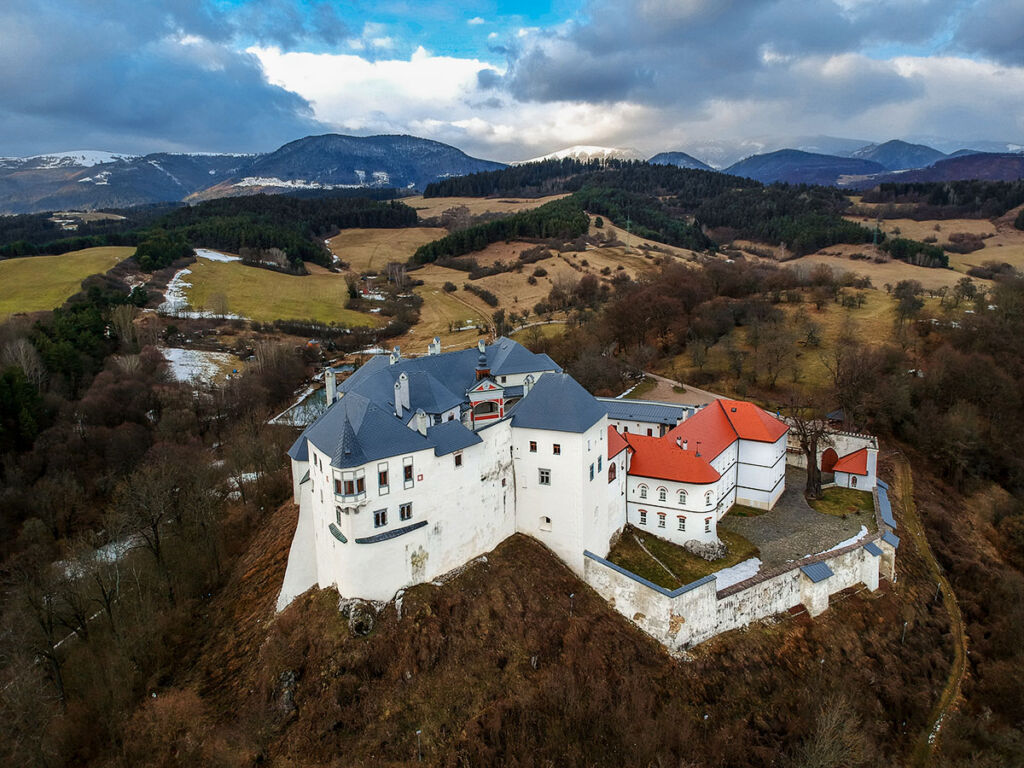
{"x": 179, "y": 84}
{"x": 475, "y": 21}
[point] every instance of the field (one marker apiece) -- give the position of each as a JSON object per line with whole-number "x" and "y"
{"x": 45, "y": 282}
{"x": 838, "y": 258}
{"x": 370, "y": 250}
{"x": 434, "y": 206}
{"x": 263, "y": 295}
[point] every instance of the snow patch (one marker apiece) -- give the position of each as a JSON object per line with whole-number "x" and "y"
{"x": 586, "y": 152}
{"x": 101, "y": 179}
{"x": 735, "y": 574}
{"x": 845, "y": 542}
{"x": 206, "y": 253}
{"x": 195, "y": 364}
{"x": 273, "y": 181}
{"x": 84, "y": 158}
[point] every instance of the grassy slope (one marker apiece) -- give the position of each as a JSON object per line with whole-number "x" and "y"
{"x": 493, "y": 670}
{"x": 264, "y": 295}
{"x": 367, "y": 250}
{"x": 45, "y": 282}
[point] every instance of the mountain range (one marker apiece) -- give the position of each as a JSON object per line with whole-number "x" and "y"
{"x": 87, "y": 180}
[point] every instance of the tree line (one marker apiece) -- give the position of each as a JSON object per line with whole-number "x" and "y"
{"x": 950, "y": 199}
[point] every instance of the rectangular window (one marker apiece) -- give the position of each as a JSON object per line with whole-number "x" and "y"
{"x": 544, "y": 476}
{"x": 380, "y": 518}
{"x": 661, "y": 520}
{"x": 650, "y": 433}
{"x": 599, "y": 463}
{"x": 533, "y": 446}
{"x": 707, "y": 525}
{"x": 382, "y": 479}
{"x": 556, "y": 449}
{"x": 458, "y": 459}
{"x": 591, "y": 471}
{"x": 405, "y": 511}
{"x": 350, "y": 488}
{"x": 682, "y": 523}
{"x": 407, "y": 472}
{"x": 337, "y": 487}
{"x": 643, "y": 517}
{"x": 360, "y": 485}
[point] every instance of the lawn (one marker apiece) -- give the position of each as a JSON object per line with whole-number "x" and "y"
{"x": 642, "y": 389}
{"x": 370, "y": 250}
{"x": 37, "y": 283}
{"x": 842, "y": 502}
{"x": 685, "y": 567}
{"x": 260, "y": 294}
{"x": 741, "y": 510}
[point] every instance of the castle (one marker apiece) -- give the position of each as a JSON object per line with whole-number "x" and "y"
{"x": 419, "y": 465}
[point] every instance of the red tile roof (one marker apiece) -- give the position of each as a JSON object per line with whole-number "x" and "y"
{"x": 855, "y": 463}
{"x": 661, "y": 458}
{"x": 718, "y": 425}
{"x": 616, "y": 443}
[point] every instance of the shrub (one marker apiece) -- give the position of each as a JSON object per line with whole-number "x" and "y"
{"x": 488, "y": 297}
{"x": 450, "y": 287}
{"x": 540, "y": 272}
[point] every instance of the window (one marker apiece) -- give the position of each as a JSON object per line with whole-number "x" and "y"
{"x": 504, "y": 379}
{"x": 662, "y": 494}
{"x": 661, "y": 519}
{"x": 625, "y": 429}
{"x": 643, "y": 517}
{"x": 853, "y": 482}
{"x": 709, "y": 498}
{"x": 458, "y": 459}
{"x": 707, "y": 525}
{"x": 533, "y": 446}
{"x": 643, "y": 491}
{"x": 380, "y": 518}
{"x": 545, "y": 523}
{"x": 337, "y": 515}
{"x": 599, "y": 467}
{"x": 360, "y": 485}
{"x": 337, "y": 487}
{"x": 382, "y": 479}
{"x": 405, "y": 511}
{"x": 650, "y": 432}
{"x": 682, "y": 523}
{"x": 556, "y": 449}
{"x": 611, "y": 472}
{"x": 407, "y": 472}
{"x": 682, "y": 497}
{"x": 591, "y": 471}
{"x": 544, "y": 476}
{"x": 350, "y": 487}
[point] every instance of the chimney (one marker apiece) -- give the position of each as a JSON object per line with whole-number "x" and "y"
{"x": 392, "y": 359}
{"x": 528, "y": 384}
{"x": 402, "y": 393}
{"x": 679, "y": 442}
{"x": 698, "y": 448}
{"x": 686, "y": 445}
{"x": 421, "y": 422}
{"x": 434, "y": 347}
{"x": 398, "y": 399}
{"x": 482, "y": 371}
{"x": 331, "y": 385}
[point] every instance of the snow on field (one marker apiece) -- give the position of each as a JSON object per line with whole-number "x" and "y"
{"x": 740, "y": 572}
{"x": 189, "y": 364}
{"x": 206, "y": 253}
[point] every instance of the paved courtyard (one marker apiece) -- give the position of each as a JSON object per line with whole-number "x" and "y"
{"x": 793, "y": 529}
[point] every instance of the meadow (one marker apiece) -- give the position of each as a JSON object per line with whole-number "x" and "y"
{"x": 260, "y": 294}
{"x": 37, "y": 283}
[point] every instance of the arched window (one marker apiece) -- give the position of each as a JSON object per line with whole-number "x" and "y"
{"x": 682, "y": 497}
{"x": 853, "y": 481}
{"x": 709, "y": 498}
{"x": 643, "y": 491}
{"x": 611, "y": 472}
{"x": 485, "y": 408}
{"x": 662, "y": 494}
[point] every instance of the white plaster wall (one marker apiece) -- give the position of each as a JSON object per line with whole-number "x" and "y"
{"x": 639, "y": 427}
{"x": 299, "y": 469}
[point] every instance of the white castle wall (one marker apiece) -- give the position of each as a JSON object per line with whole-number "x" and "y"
{"x": 682, "y": 618}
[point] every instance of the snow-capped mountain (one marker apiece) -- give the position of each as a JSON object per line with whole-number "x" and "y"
{"x": 586, "y": 152}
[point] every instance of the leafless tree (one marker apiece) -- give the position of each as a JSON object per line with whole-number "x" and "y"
{"x": 808, "y": 423}
{"x": 21, "y": 353}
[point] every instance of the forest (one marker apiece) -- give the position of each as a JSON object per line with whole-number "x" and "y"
{"x": 297, "y": 225}
{"x": 950, "y": 199}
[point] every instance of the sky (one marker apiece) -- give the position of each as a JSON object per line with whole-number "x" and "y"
{"x": 505, "y": 80}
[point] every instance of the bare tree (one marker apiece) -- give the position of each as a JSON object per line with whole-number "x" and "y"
{"x": 21, "y": 353}
{"x": 807, "y": 422}
{"x": 122, "y": 318}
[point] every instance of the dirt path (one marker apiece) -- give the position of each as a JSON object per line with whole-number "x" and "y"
{"x": 665, "y": 392}
{"x": 958, "y": 671}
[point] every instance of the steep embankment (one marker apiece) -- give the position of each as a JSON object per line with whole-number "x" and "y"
{"x": 493, "y": 667}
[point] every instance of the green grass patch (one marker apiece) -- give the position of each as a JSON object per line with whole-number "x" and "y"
{"x": 685, "y": 566}
{"x": 263, "y": 295}
{"x": 35, "y": 283}
{"x": 643, "y": 388}
{"x": 741, "y": 510}
{"x": 843, "y": 502}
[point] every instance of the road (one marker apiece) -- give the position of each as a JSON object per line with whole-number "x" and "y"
{"x": 922, "y": 755}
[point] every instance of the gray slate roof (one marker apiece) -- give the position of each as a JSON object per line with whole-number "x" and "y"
{"x": 354, "y": 431}
{"x": 451, "y": 436}
{"x": 557, "y": 402}
{"x": 891, "y": 538}
{"x": 641, "y": 410}
{"x": 885, "y": 508}
{"x": 816, "y": 571}
{"x": 439, "y": 382}
{"x": 873, "y": 549}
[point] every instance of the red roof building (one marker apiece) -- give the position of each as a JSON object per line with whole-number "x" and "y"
{"x": 855, "y": 463}
{"x": 713, "y": 429}
{"x": 662, "y": 459}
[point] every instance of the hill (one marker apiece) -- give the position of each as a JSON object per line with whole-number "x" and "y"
{"x": 679, "y": 159}
{"x": 982, "y": 166}
{"x": 899, "y": 155}
{"x": 794, "y": 166}
{"x": 336, "y": 161}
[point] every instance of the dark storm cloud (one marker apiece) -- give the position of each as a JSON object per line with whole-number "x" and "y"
{"x": 684, "y": 53}
{"x": 139, "y": 77}
{"x": 994, "y": 29}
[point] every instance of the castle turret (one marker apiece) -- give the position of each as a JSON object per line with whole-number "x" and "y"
{"x": 482, "y": 369}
